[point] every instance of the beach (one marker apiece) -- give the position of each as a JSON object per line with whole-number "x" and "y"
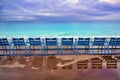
{"x": 51, "y": 68}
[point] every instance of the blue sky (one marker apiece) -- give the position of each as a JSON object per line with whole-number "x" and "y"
{"x": 59, "y": 10}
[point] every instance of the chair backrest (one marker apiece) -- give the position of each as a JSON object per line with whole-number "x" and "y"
{"x": 119, "y": 41}
{"x": 35, "y": 41}
{"x": 4, "y": 42}
{"x": 18, "y": 41}
{"x": 99, "y": 41}
{"x": 67, "y": 41}
{"x": 113, "y": 41}
{"x": 83, "y": 41}
{"x": 51, "y": 41}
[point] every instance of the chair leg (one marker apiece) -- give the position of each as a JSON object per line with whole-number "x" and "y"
{"x": 29, "y": 50}
{"x": 85, "y": 50}
{"x": 104, "y": 50}
{"x": 112, "y": 49}
{"x": 60, "y": 50}
{"x": 88, "y": 49}
{"x": 2, "y": 50}
{"x": 13, "y": 50}
{"x": 92, "y": 49}
{"x": 98, "y": 49}
{"x": 9, "y": 50}
{"x": 6, "y": 50}
{"x": 108, "y": 50}
{"x": 80, "y": 50}
{"x": 45, "y": 50}
{"x": 115, "y": 49}
{"x": 57, "y": 51}
{"x": 25, "y": 52}
{"x": 76, "y": 49}
{"x": 40, "y": 49}
{"x": 118, "y": 49}
{"x": 72, "y": 49}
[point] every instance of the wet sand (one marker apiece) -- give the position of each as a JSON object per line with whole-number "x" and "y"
{"x": 51, "y": 68}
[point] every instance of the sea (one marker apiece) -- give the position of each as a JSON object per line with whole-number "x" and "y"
{"x": 85, "y": 28}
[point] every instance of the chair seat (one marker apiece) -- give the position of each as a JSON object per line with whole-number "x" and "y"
{"x": 4, "y": 42}
{"x": 113, "y": 44}
{"x": 83, "y": 43}
{"x": 119, "y": 43}
{"x": 19, "y": 44}
{"x": 98, "y": 43}
{"x": 67, "y": 43}
{"x": 35, "y": 44}
{"x": 51, "y": 43}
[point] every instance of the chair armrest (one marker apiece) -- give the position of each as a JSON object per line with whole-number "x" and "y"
{"x": 57, "y": 41}
{"x": 10, "y": 43}
{"x": 91, "y": 40}
{"x": 60, "y": 42}
{"x": 43, "y": 41}
{"x": 27, "y": 41}
{"x": 76, "y": 41}
{"x": 107, "y": 42}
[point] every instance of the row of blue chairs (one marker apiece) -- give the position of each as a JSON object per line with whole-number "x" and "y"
{"x": 86, "y": 42}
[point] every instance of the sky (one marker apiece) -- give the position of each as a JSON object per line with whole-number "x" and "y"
{"x": 59, "y": 10}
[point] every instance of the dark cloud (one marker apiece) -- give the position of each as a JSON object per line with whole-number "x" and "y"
{"x": 104, "y": 6}
{"x": 57, "y": 10}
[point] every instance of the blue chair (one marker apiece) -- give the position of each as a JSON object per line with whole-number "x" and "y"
{"x": 114, "y": 42}
{"x": 67, "y": 42}
{"x": 83, "y": 42}
{"x": 100, "y": 42}
{"x": 4, "y": 44}
{"x": 35, "y": 42}
{"x": 17, "y": 43}
{"x": 51, "y": 42}
{"x": 119, "y": 44}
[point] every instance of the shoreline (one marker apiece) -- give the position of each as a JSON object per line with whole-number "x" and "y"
{"x": 60, "y": 37}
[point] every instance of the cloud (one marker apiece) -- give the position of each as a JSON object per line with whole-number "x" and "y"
{"x": 103, "y": 6}
{"x": 61, "y": 9}
{"x": 17, "y": 18}
{"x": 113, "y": 16}
{"x": 111, "y": 1}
